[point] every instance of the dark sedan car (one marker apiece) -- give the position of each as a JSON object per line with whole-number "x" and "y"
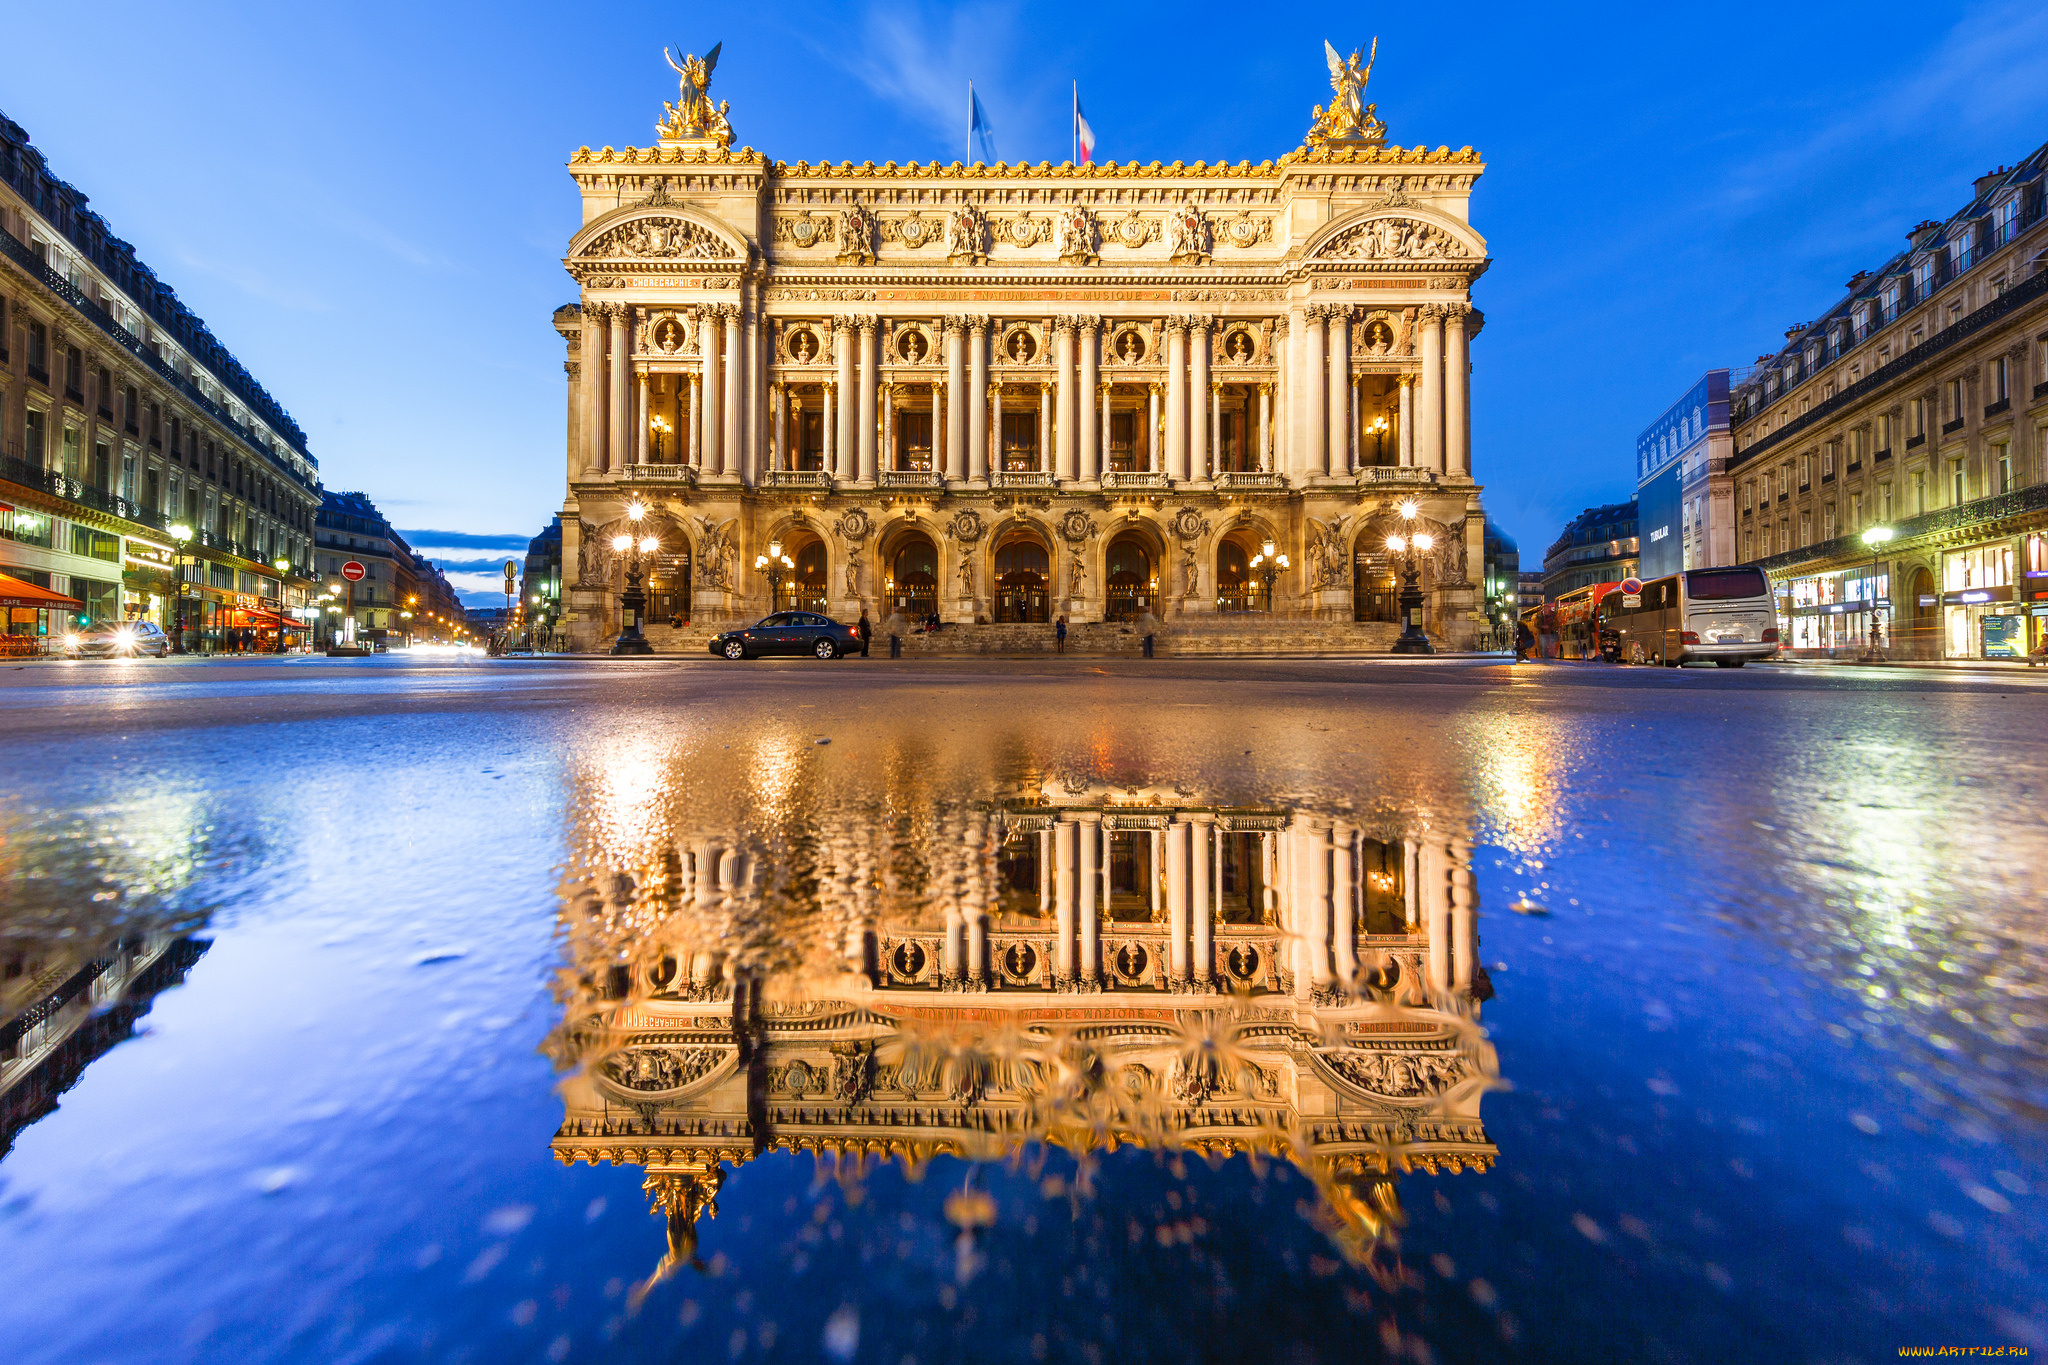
{"x": 788, "y": 632}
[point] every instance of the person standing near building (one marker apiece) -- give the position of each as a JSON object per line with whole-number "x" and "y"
{"x": 1059, "y": 635}
{"x": 1524, "y": 640}
{"x": 866, "y": 629}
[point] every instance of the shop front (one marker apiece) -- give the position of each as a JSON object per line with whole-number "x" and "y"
{"x": 1828, "y": 613}
{"x": 1982, "y": 616}
{"x": 34, "y": 616}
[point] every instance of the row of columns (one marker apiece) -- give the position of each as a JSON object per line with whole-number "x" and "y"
{"x": 1316, "y": 385}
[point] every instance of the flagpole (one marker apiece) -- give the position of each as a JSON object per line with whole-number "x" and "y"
{"x": 970, "y": 123}
{"x": 1077, "y": 122}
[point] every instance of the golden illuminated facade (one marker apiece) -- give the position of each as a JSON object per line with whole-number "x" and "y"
{"x": 1009, "y": 393}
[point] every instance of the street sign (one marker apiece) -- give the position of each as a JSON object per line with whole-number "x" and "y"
{"x": 511, "y": 568}
{"x": 353, "y": 571}
{"x": 1631, "y": 587}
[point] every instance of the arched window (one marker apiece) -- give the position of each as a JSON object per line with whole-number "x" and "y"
{"x": 1021, "y": 572}
{"x": 914, "y": 578}
{"x": 1130, "y": 583}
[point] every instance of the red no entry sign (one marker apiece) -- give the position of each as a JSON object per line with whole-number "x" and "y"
{"x": 353, "y": 571}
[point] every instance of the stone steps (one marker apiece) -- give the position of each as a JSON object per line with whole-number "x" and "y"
{"x": 1196, "y": 636}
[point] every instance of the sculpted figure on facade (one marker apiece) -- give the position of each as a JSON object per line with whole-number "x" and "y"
{"x": 1074, "y": 234}
{"x": 857, "y": 235}
{"x": 1391, "y": 239}
{"x": 1187, "y": 233}
{"x": 1348, "y": 120}
{"x": 967, "y": 235}
{"x": 1328, "y": 556}
{"x": 691, "y": 117}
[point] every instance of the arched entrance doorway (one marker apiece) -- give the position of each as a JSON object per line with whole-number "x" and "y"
{"x": 1130, "y": 579}
{"x": 1375, "y": 592}
{"x": 805, "y": 590}
{"x": 1022, "y": 579}
{"x": 668, "y": 578}
{"x": 1237, "y": 587}
{"x": 1925, "y": 605}
{"x": 913, "y": 587}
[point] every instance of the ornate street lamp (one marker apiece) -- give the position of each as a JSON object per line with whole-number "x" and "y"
{"x": 633, "y": 602}
{"x": 1378, "y": 432}
{"x": 182, "y": 534}
{"x": 1270, "y": 566}
{"x": 1412, "y": 640}
{"x": 1874, "y": 537}
{"x": 283, "y": 566}
{"x": 660, "y": 427}
{"x": 773, "y": 563}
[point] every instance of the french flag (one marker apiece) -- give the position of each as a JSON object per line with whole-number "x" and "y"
{"x": 1084, "y": 136}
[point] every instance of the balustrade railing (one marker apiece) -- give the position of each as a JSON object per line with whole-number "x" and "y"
{"x": 60, "y": 485}
{"x": 659, "y": 473}
{"x": 1135, "y": 478}
{"x": 1396, "y": 474}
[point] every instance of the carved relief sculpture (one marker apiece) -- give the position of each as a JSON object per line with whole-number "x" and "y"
{"x": 1074, "y": 235}
{"x": 857, "y": 236}
{"x": 966, "y": 236}
{"x": 1347, "y": 122}
{"x": 1187, "y": 234}
{"x": 691, "y": 118}
{"x": 1386, "y": 239}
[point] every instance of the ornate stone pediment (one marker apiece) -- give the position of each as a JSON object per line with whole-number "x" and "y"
{"x": 659, "y": 239}
{"x": 1397, "y": 1074}
{"x": 660, "y": 1070}
{"x": 1392, "y": 239}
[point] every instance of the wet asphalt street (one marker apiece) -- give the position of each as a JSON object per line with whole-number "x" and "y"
{"x": 1766, "y": 953}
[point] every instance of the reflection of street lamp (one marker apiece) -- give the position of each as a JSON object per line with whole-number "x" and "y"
{"x": 773, "y": 563}
{"x": 1270, "y": 565}
{"x": 1412, "y": 640}
{"x": 182, "y": 534}
{"x": 1874, "y": 537}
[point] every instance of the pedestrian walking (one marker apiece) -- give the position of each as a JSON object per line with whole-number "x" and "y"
{"x": 1524, "y": 639}
{"x": 1059, "y": 635}
{"x": 867, "y": 631}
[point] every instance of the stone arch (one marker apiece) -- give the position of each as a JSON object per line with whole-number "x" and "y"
{"x": 807, "y": 584}
{"x": 1232, "y": 553}
{"x": 1127, "y": 588}
{"x": 1474, "y": 246}
{"x": 672, "y": 231}
{"x": 1021, "y": 557}
{"x": 910, "y": 561}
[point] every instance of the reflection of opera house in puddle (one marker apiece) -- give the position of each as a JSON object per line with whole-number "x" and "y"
{"x": 1087, "y": 971}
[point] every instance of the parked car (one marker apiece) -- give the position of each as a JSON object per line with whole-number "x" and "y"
{"x": 107, "y": 639}
{"x": 788, "y": 632}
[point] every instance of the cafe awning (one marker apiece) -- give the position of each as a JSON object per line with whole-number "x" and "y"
{"x": 15, "y": 593}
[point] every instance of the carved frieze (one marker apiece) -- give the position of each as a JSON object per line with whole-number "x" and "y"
{"x": 659, "y": 239}
{"x": 1392, "y": 239}
{"x": 805, "y": 229}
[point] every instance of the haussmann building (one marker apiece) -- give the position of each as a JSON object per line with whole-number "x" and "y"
{"x": 1007, "y": 393}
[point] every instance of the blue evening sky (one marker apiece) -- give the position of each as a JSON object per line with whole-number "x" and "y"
{"x": 367, "y": 202}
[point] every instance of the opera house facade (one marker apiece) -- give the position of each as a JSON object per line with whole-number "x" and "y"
{"x": 1013, "y": 392}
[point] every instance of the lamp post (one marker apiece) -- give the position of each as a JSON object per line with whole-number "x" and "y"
{"x": 1412, "y": 640}
{"x": 658, "y": 424}
{"x": 632, "y": 602}
{"x": 1378, "y": 432}
{"x": 182, "y": 535}
{"x": 1270, "y": 565}
{"x": 282, "y": 565}
{"x": 773, "y": 563}
{"x": 1873, "y": 537}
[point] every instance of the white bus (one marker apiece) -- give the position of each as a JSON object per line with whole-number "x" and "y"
{"x": 1725, "y": 616}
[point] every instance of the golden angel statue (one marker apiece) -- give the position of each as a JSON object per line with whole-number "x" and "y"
{"x": 693, "y": 117}
{"x": 1348, "y": 120}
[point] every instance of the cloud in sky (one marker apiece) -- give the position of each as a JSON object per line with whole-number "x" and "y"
{"x": 921, "y": 62}
{"x": 426, "y": 541}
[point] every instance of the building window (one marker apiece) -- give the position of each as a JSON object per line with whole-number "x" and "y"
{"x": 1884, "y": 501}
{"x": 2001, "y": 468}
{"x": 34, "y": 437}
{"x": 1956, "y": 482}
{"x": 1916, "y": 418}
{"x": 2001, "y": 379}
{"x": 1955, "y": 400}
{"x": 1919, "y": 492}
{"x": 74, "y": 373}
{"x": 1884, "y": 434}
{"x": 1855, "y": 513}
{"x": 1805, "y": 529}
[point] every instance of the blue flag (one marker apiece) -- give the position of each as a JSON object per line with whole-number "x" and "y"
{"x": 981, "y": 134}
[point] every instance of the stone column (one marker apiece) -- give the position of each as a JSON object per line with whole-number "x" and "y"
{"x": 1457, "y": 377}
{"x": 1429, "y": 435}
{"x": 1066, "y": 857}
{"x": 643, "y": 414}
{"x": 1154, "y": 457}
{"x": 751, "y": 443}
{"x": 957, "y": 403}
{"x": 1201, "y": 910}
{"x": 1269, "y": 874}
{"x": 886, "y": 396}
{"x": 977, "y": 943}
{"x": 1088, "y": 440}
{"x": 709, "y": 339}
{"x": 591, "y": 344}
{"x": 732, "y": 448}
{"x": 1044, "y": 427}
{"x": 1216, "y": 427}
{"x": 1198, "y": 391}
{"x": 1102, "y": 431}
{"x": 1344, "y": 905}
{"x": 1339, "y": 450}
{"x": 1177, "y": 399}
{"x": 778, "y": 426}
{"x": 1313, "y": 459}
{"x": 1464, "y": 918}
{"x": 1066, "y": 412}
{"x": 978, "y": 404}
{"x": 1177, "y": 901}
{"x": 870, "y": 382}
{"x": 1318, "y": 918}
{"x": 1406, "y": 434}
{"x": 1089, "y": 967}
{"x": 617, "y": 444}
{"x": 829, "y": 455}
{"x": 1265, "y": 428}
{"x": 992, "y": 421}
{"x": 842, "y": 456}
{"x": 953, "y": 958}
{"x": 938, "y": 432}
{"x": 696, "y": 424}
{"x": 1283, "y": 394}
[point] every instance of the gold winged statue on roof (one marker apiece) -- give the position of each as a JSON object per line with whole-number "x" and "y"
{"x": 693, "y": 118}
{"x": 1348, "y": 122}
